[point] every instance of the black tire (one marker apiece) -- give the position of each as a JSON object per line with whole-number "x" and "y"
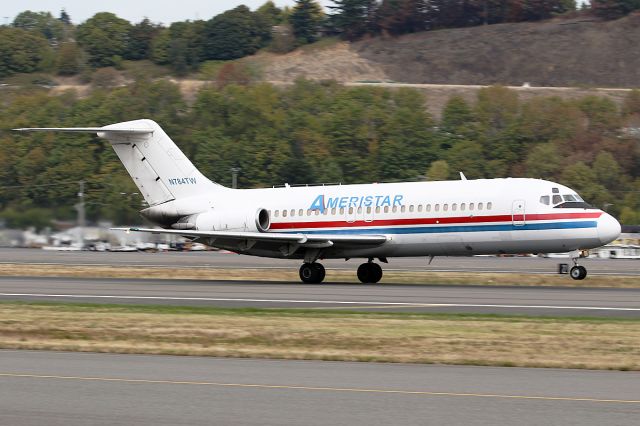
{"x": 369, "y": 273}
{"x": 376, "y": 272}
{"x": 312, "y": 273}
{"x": 364, "y": 273}
{"x": 578, "y": 272}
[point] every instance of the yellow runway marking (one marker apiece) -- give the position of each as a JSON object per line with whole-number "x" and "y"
{"x": 319, "y": 388}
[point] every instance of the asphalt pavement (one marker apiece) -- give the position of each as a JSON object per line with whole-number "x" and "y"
{"x": 208, "y": 259}
{"x": 557, "y": 301}
{"x": 56, "y": 388}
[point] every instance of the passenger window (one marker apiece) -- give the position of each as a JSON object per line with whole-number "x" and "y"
{"x": 402, "y": 209}
{"x": 386, "y": 209}
{"x": 557, "y": 199}
{"x": 480, "y": 206}
{"x": 470, "y": 206}
{"x": 284, "y": 213}
{"x": 368, "y": 209}
{"x": 293, "y": 212}
{"x": 333, "y": 210}
{"x": 300, "y": 212}
{"x": 359, "y": 209}
{"x": 325, "y": 212}
{"x": 463, "y": 206}
{"x": 411, "y": 208}
{"x": 317, "y": 212}
{"x": 445, "y": 207}
{"x": 308, "y": 212}
{"x": 419, "y": 207}
{"x": 276, "y": 213}
{"x": 428, "y": 207}
{"x": 350, "y": 210}
{"x": 378, "y": 209}
{"x": 437, "y": 207}
{"x": 341, "y": 210}
{"x": 395, "y": 209}
{"x": 454, "y": 207}
{"x": 545, "y": 200}
{"x": 489, "y": 205}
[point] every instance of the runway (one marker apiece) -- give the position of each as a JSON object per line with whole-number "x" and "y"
{"x": 529, "y": 265}
{"x": 56, "y": 388}
{"x": 604, "y": 302}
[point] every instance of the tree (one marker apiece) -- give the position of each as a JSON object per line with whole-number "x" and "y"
{"x": 139, "y": 40}
{"x": 438, "y": 170}
{"x": 42, "y": 22}
{"x": 614, "y": 9}
{"x": 305, "y": 20}
{"x": 353, "y": 18}
{"x": 631, "y": 104}
{"x": 544, "y": 161}
{"x": 105, "y": 38}
{"x": 271, "y": 14}
{"x": 235, "y": 33}
{"x": 402, "y": 16}
{"x": 69, "y": 60}
{"x": 22, "y": 51}
{"x": 64, "y": 17}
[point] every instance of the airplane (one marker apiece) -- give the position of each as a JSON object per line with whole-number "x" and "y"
{"x": 368, "y": 221}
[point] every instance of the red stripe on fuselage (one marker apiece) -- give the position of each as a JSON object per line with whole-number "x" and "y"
{"x": 433, "y": 221}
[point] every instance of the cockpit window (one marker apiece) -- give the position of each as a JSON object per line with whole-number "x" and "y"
{"x": 545, "y": 200}
{"x": 569, "y": 197}
{"x": 578, "y": 198}
{"x": 557, "y": 199}
{"x": 555, "y": 190}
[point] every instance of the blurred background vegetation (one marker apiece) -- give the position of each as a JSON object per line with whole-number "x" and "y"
{"x": 303, "y": 132}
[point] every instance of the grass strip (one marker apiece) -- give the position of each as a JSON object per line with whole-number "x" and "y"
{"x": 342, "y": 276}
{"x": 495, "y": 340}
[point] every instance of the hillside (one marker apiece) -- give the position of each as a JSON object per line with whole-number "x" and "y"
{"x": 560, "y": 52}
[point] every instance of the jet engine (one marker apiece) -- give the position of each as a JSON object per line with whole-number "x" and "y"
{"x": 227, "y": 220}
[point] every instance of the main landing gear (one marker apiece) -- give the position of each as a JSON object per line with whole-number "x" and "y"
{"x": 369, "y": 273}
{"x": 313, "y": 273}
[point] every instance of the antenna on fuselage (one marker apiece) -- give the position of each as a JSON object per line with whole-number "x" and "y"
{"x": 462, "y": 176}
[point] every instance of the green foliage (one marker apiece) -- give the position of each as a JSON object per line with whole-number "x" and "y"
{"x": 234, "y": 34}
{"x": 70, "y": 59}
{"x": 105, "y": 38}
{"x": 614, "y": 9}
{"x": 353, "y": 18}
{"x": 305, "y": 19}
{"x": 313, "y": 132}
{"x": 271, "y": 14}
{"x": 22, "y": 51}
{"x": 438, "y": 170}
{"x": 139, "y": 40}
{"x": 41, "y": 22}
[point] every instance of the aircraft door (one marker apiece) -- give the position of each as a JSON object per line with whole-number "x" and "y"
{"x": 518, "y": 214}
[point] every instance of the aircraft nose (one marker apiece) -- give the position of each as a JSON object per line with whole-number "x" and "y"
{"x": 608, "y": 228}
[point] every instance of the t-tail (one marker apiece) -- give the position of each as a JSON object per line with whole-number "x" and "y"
{"x": 157, "y": 166}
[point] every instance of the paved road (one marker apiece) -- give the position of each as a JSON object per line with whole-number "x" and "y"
{"x": 414, "y": 298}
{"x": 53, "y": 388}
{"x": 535, "y": 265}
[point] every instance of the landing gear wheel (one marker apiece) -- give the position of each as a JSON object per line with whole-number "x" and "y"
{"x": 369, "y": 273}
{"x": 312, "y": 273}
{"x": 578, "y": 272}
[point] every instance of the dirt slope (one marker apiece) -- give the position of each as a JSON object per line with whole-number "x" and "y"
{"x": 560, "y": 52}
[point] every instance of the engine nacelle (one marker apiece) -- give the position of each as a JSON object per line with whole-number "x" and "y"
{"x": 227, "y": 220}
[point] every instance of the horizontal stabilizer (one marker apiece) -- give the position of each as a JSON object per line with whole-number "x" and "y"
{"x": 119, "y": 130}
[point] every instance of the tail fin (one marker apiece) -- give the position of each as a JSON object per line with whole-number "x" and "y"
{"x": 157, "y": 166}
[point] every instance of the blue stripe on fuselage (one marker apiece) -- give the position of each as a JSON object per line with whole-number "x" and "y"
{"x": 463, "y": 228}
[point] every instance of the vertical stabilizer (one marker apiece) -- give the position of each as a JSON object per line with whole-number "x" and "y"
{"x": 157, "y": 166}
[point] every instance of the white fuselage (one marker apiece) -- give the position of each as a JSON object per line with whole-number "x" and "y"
{"x": 485, "y": 216}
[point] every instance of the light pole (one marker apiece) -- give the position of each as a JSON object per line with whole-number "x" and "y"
{"x": 234, "y": 176}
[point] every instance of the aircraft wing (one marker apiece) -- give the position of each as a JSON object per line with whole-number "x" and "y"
{"x": 242, "y": 238}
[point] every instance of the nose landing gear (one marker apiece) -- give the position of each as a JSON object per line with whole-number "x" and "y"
{"x": 312, "y": 273}
{"x": 577, "y": 272}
